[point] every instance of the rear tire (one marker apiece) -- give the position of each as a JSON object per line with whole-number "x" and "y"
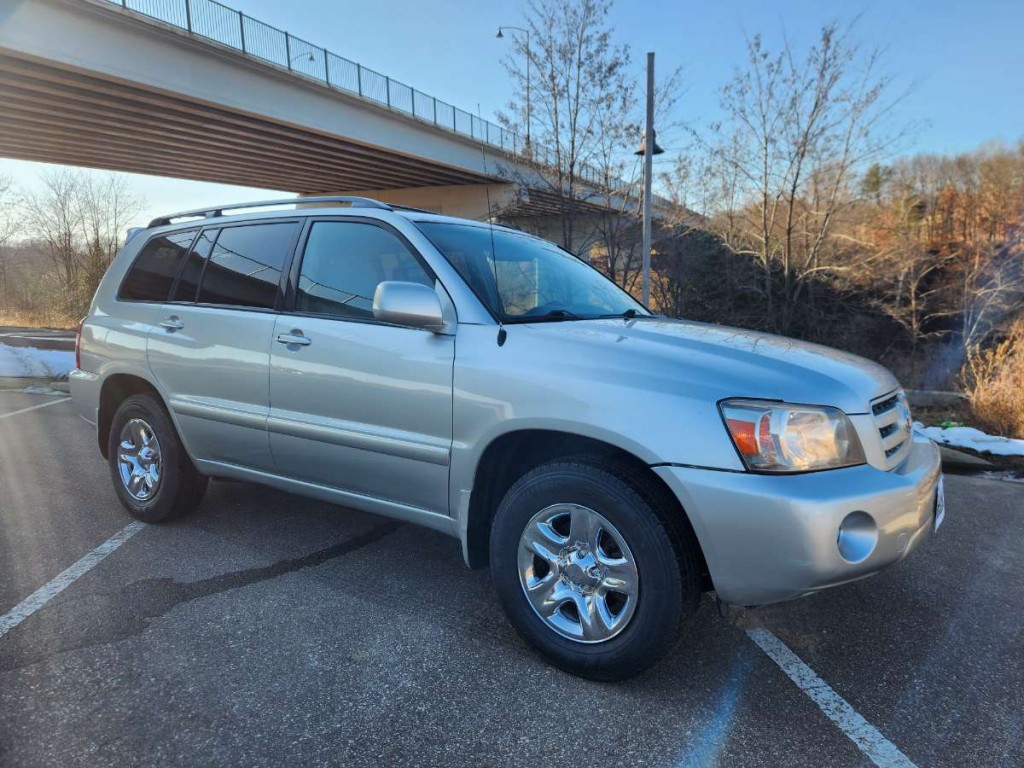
{"x": 152, "y": 474}
{"x": 606, "y": 604}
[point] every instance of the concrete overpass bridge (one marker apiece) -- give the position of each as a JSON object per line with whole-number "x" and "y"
{"x": 193, "y": 89}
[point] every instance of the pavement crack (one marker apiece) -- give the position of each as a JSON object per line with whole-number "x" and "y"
{"x": 129, "y": 610}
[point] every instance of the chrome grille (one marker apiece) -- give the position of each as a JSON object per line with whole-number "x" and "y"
{"x": 888, "y": 403}
{"x": 892, "y": 418}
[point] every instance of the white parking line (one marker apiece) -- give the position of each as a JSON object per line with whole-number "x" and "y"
{"x": 32, "y": 408}
{"x": 48, "y": 591}
{"x": 868, "y": 739}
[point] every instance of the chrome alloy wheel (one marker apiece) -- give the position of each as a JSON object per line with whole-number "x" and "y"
{"x": 577, "y": 573}
{"x": 138, "y": 460}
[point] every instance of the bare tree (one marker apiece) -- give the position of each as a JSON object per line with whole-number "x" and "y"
{"x": 107, "y": 205}
{"x": 949, "y": 244}
{"x": 54, "y": 217}
{"x": 992, "y": 290}
{"x": 8, "y": 229}
{"x": 582, "y": 100}
{"x": 797, "y": 132}
{"x": 79, "y": 222}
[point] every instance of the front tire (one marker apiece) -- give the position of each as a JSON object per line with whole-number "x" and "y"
{"x": 591, "y": 567}
{"x": 153, "y": 476}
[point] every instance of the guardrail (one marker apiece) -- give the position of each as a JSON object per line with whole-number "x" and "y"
{"x": 226, "y": 26}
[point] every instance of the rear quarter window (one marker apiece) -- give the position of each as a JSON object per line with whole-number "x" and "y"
{"x": 151, "y": 276}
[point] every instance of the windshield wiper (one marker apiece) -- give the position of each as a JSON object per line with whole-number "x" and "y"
{"x": 548, "y": 317}
{"x": 629, "y": 314}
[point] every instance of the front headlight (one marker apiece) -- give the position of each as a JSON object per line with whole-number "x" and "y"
{"x": 775, "y": 437}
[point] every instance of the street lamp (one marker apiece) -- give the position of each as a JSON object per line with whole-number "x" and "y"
{"x": 527, "y": 33}
{"x": 642, "y": 149}
{"x": 309, "y": 57}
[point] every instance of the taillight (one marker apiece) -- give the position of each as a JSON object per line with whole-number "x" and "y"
{"x": 78, "y": 344}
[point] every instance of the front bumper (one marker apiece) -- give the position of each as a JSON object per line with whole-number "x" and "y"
{"x": 768, "y": 538}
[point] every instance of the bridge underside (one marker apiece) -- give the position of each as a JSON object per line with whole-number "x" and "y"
{"x": 91, "y": 83}
{"x": 54, "y": 114}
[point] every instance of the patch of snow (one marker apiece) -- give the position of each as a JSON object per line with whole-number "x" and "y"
{"x": 42, "y": 389}
{"x": 1007, "y": 477}
{"x": 23, "y": 362}
{"x": 975, "y": 439}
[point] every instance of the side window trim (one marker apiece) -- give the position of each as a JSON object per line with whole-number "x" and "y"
{"x": 291, "y": 293}
{"x": 206, "y": 261}
{"x": 285, "y": 269}
{"x": 294, "y": 266}
{"x": 177, "y": 278}
{"x": 135, "y": 262}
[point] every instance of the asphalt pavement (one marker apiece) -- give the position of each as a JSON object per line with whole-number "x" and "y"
{"x": 268, "y": 629}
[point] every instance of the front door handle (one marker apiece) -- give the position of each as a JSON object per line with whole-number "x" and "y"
{"x": 294, "y": 338}
{"x": 172, "y": 323}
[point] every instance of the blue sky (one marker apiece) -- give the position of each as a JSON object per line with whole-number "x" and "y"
{"x": 963, "y": 61}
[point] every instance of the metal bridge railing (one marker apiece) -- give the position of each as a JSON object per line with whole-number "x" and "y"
{"x": 221, "y": 24}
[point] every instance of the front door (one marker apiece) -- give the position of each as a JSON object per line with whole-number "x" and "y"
{"x": 355, "y": 404}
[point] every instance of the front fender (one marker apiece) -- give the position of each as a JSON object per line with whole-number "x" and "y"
{"x": 522, "y": 385}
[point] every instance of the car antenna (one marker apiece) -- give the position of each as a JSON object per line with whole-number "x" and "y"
{"x": 502, "y": 333}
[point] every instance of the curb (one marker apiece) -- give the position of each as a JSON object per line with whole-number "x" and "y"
{"x": 955, "y": 459}
{"x": 20, "y": 383}
{"x": 929, "y": 398}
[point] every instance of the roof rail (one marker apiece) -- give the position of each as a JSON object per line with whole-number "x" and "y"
{"x": 409, "y": 209}
{"x": 209, "y": 213}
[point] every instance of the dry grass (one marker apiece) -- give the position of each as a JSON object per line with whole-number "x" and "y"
{"x": 994, "y": 382}
{"x": 22, "y": 319}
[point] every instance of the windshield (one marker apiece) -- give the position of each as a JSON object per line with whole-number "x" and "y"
{"x": 524, "y": 279}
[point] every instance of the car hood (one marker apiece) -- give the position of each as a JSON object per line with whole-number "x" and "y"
{"x": 718, "y": 361}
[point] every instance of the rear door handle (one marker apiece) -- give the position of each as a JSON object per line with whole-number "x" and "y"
{"x": 294, "y": 338}
{"x": 172, "y": 324}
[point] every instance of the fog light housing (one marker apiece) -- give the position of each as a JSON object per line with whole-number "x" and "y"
{"x": 857, "y": 537}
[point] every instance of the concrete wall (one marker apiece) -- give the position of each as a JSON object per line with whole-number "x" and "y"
{"x": 488, "y": 202}
{"x": 468, "y": 201}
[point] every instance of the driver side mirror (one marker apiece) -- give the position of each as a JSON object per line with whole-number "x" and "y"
{"x": 411, "y": 304}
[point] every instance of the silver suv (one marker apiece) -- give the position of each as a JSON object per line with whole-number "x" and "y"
{"x": 608, "y": 464}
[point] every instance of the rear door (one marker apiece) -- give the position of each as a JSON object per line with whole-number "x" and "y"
{"x": 210, "y": 348}
{"x": 125, "y": 328}
{"x": 356, "y": 404}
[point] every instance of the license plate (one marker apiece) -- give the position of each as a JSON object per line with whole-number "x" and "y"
{"x": 940, "y": 502}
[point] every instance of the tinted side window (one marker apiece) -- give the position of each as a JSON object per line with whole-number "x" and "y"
{"x": 245, "y": 266}
{"x": 188, "y": 281}
{"x": 345, "y": 261}
{"x": 151, "y": 276}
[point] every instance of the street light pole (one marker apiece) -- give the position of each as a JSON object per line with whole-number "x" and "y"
{"x": 649, "y": 150}
{"x": 528, "y": 78}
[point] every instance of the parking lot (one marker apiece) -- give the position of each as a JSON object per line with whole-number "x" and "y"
{"x": 267, "y": 629}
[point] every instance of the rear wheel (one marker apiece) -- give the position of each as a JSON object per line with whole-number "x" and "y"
{"x": 152, "y": 474}
{"x": 591, "y": 568}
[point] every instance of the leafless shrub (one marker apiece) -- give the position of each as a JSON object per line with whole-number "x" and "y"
{"x": 994, "y": 383}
